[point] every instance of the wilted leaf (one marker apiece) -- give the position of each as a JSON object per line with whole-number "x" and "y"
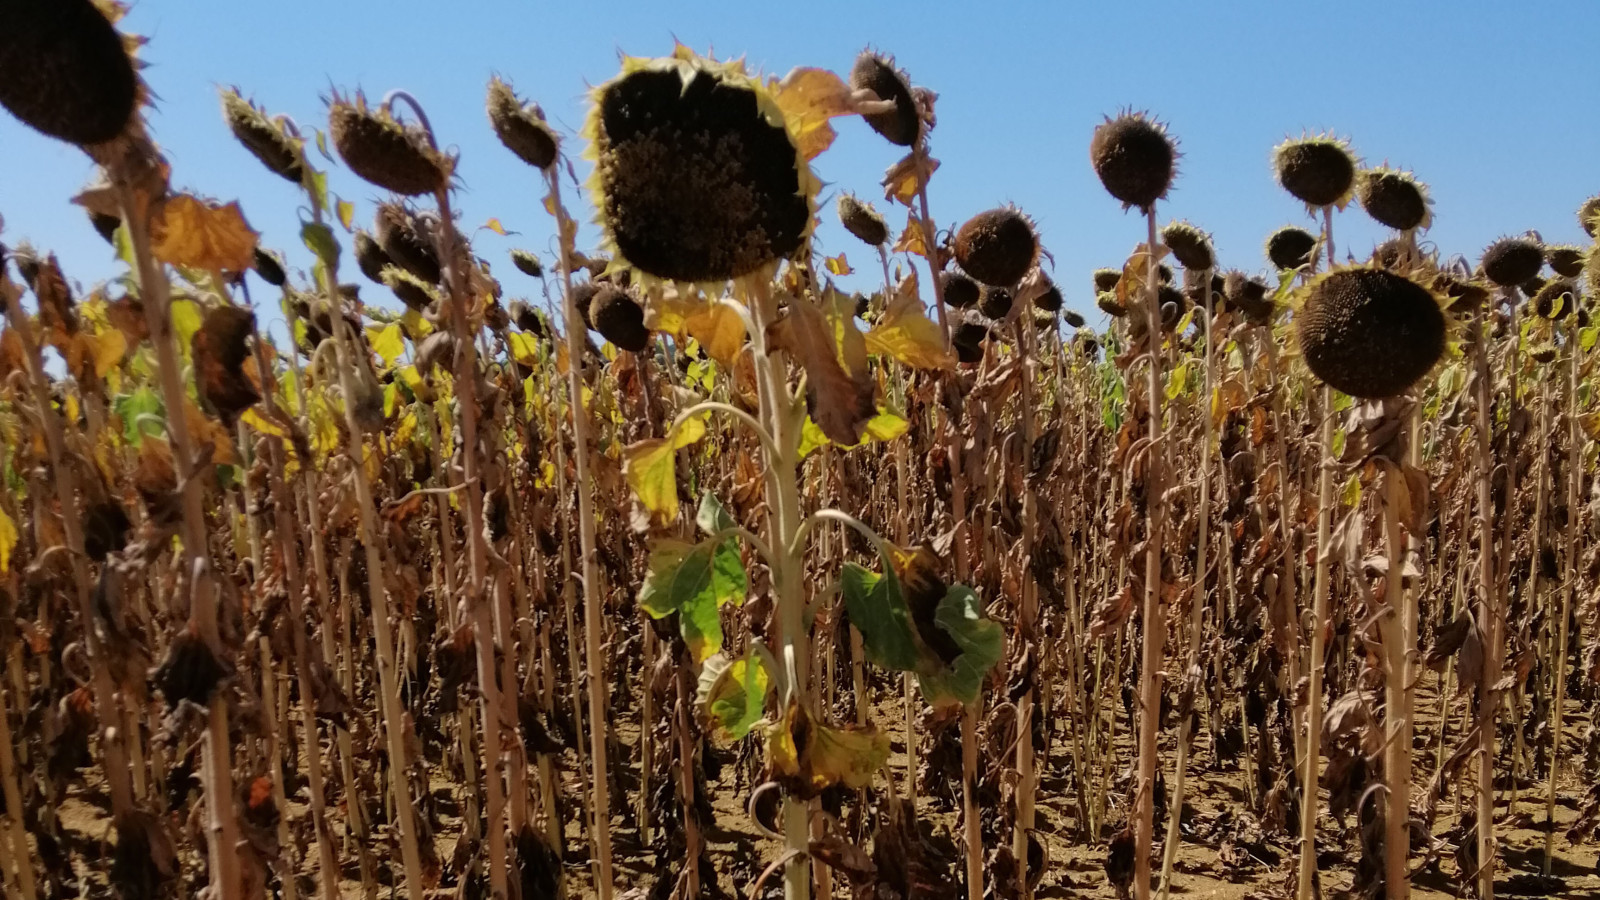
{"x": 190, "y": 232}
{"x": 1135, "y": 274}
{"x": 881, "y": 428}
{"x": 219, "y": 353}
{"x": 910, "y": 621}
{"x": 838, "y": 265}
{"x": 495, "y": 226}
{"x": 1111, "y": 612}
{"x": 808, "y": 756}
{"x": 981, "y": 641}
{"x": 732, "y": 694}
{"x": 648, "y": 466}
{"x": 912, "y": 240}
{"x": 905, "y": 332}
{"x": 825, "y": 342}
{"x": 906, "y": 177}
{"x": 809, "y": 97}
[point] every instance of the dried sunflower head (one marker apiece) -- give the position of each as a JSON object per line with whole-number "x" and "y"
{"x": 697, "y": 174}
{"x": 384, "y": 151}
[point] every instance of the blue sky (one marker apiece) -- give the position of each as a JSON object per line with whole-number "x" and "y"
{"x": 1491, "y": 103}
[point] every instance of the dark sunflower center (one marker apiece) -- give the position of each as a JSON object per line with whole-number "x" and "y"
{"x": 698, "y": 186}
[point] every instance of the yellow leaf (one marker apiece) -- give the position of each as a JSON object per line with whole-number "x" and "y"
{"x": 1135, "y": 271}
{"x": 809, "y": 98}
{"x": 838, "y": 265}
{"x": 8, "y": 541}
{"x": 648, "y": 466}
{"x": 204, "y": 430}
{"x": 824, "y": 341}
{"x": 495, "y": 226}
{"x": 912, "y": 240}
{"x": 347, "y": 213}
{"x": 263, "y": 424}
{"x": 524, "y": 348}
{"x": 387, "y": 342}
{"x": 186, "y": 321}
{"x": 107, "y": 348}
{"x": 407, "y": 427}
{"x": 906, "y": 177}
{"x": 668, "y": 311}
{"x": 720, "y": 332}
{"x": 187, "y": 231}
{"x": 905, "y": 332}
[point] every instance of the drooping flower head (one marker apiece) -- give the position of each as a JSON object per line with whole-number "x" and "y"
{"x": 697, "y": 174}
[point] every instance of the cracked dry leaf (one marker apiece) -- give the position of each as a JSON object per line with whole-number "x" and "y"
{"x": 825, "y": 342}
{"x": 190, "y": 232}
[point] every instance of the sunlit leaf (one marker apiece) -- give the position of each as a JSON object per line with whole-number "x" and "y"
{"x": 189, "y": 232}
{"x": 495, "y": 226}
{"x": 838, "y": 265}
{"x": 881, "y": 428}
{"x": 809, "y": 98}
{"x": 808, "y": 756}
{"x": 905, "y": 178}
{"x": 695, "y": 581}
{"x": 912, "y": 240}
{"x": 262, "y": 424}
{"x": 648, "y": 466}
{"x": 387, "y": 342}
{"x": 347, "y": 212}
{"x": 905, "y": 332}
{"x": 186, "y": 321}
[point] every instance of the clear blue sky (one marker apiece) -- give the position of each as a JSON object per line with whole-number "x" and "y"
{"x": 1491, "y": 103}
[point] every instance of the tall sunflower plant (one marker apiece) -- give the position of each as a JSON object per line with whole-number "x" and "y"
{"x": 707, "y": 203}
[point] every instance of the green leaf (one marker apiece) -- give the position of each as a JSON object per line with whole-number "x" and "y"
{"x": 713, "y": 516}
{"x": 319, "y": 239}
{"x": 695, "y": 581}
{"x": 143, "y": 404}
{"x": 877, "y": 608}
{"x": 1587, "y": 337}
{"x": 981, "y": 641}
{"x": 732, "y": 694}
{"x": 1339, "y": 439}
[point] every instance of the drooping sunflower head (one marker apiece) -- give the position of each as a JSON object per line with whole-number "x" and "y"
{"x": 384, "y": 151}
{"x": 1395, "y": 198}
{"x": 1512, "y": 261}
{"x": 1319, "y": 171}
{"x": 697, "y": 175}
{"x": 1369, "y": 332}
{"x": 264, "y": 138}
{"x": 1190, "y": 245}
{"x": 66, "y": 71}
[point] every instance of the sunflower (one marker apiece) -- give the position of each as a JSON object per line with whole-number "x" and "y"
{"x": 697, "y": 176}
{"x": 1369, "y": 332}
